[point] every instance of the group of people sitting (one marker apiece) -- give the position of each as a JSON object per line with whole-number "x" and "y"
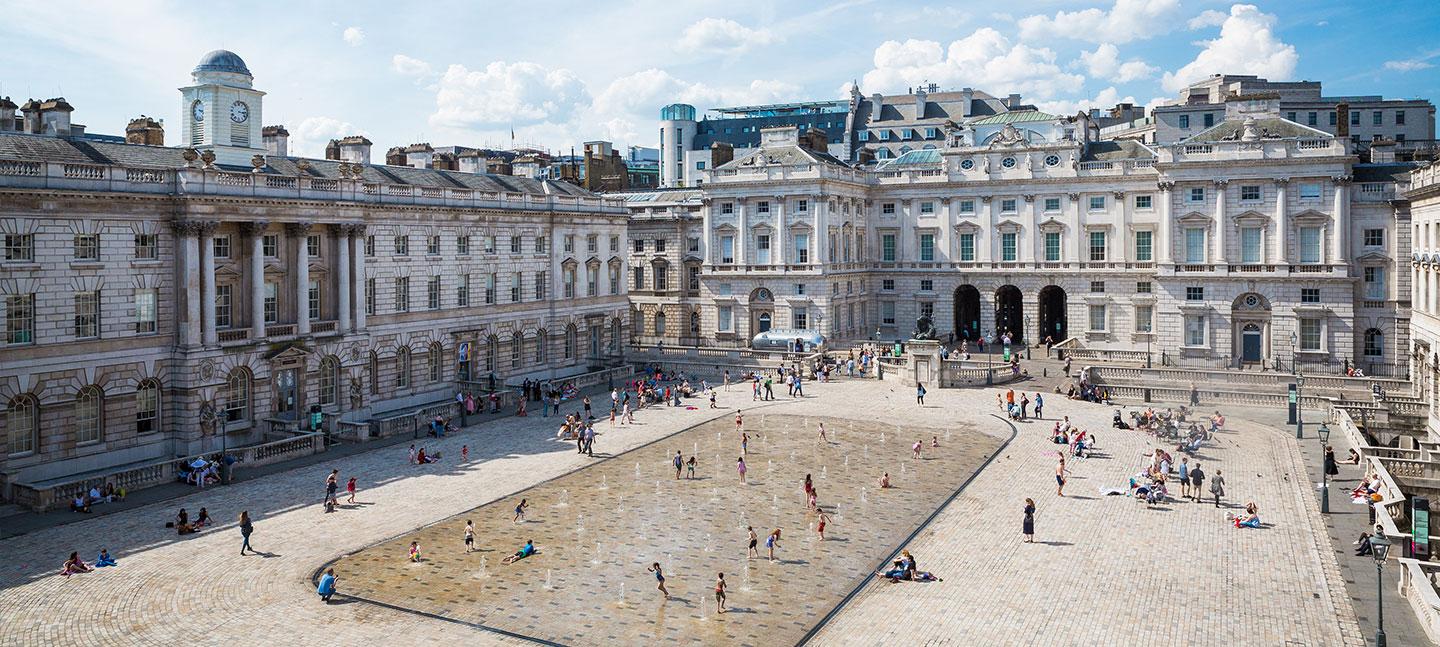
{"x": 74, "y": 565}
{"x": 1087, "y": 392}
{"x": 1150, "y": 485}
{"x": 421, "y": 458}
{"x": 1368, "y": 491}
{"x": 905, "y": 569}
{"x": 184, "y": 525}
{"x": 573, "y": 426}
{"x": 97, "y": 495}
{"x": 1075, "y": 439}
{"x": 200, "y": 473}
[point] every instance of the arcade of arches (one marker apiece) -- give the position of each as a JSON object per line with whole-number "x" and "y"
{"x": 1045, "y": 315}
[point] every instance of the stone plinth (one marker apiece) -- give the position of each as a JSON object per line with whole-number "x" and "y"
{"x": 923, "y": 363}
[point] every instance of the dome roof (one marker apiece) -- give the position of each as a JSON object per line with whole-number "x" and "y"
{"x": 222, "y": 60}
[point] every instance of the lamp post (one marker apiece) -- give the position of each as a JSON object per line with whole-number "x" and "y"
{"x": 1299, "y": 406}
{"x": 1379, "y": 547}
{"x": 1324, "y": 433}
{"x": 989, "y": 360}
{"x": 1022, "y": 336}
{"x": 1294, "y": 353}
{"x": 1147, "y": 349}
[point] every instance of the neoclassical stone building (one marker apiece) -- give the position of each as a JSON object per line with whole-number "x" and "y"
{"x": 161, "y": 302}
{"x": 1258, "y": 242}
{"x": 1424, "y": 199}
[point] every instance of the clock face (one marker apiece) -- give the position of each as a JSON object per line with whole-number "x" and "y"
{"x": 197, "y": 110}
{"x": 239, "y": 112}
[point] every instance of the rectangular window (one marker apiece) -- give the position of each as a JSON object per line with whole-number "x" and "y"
{"x": 927, "y": 309}
{"x": 1309, "y": 295}
{"x": 1197, "y": 194}
{"x": 592, "y": 243}
{"x": 1250, "y": 192}
{"x": 927, "y": 285}
{"x": 1354, "y": 117}
{"x": 1097, "y": 317}
{"x": 888, "y": 208}
{"x": 1052, "y": 204}
{"x": 725, "y": 317}
{"x": 927, "y": 207}
{"x": 1375, "y": 284}
{"x": 727, "y": 208}
{"x": 314, "y": 300}
{"x": 1310, "y": 334}
{"x": 369, "y": 297}
{"x": 272, "y": 302}
{"x": 798, "y": 318}
{"x": 1332, "y": 118}
{"x": 432, "y": 293}
{"x": 1312, "y": 119}
{"x": 1195, "y": 245}
{"x": 223, "y": 306}
{"x": 1144, "y": 246}
{"x": 220, "y": 246}
{"x": 1052, "y": 246}
{"x": 1310, "y": 191}
{"x": 1143, "y": 201}
{"x": 727, "y": 250}
{"x": 20, "y": 319}
{"x": 1399, "y": 117}
{"x": 273, "y": 245}
{"x": 762, "y": 250}
{"x": 462, "y": 293}
{"x": 462, "y": 245}
{"x": 517, "y": 287}
{"x": 568, "y": 278}
{"x": 1290, "y": 116}
{"x": 887, "y": 313}
{"x": 967, "y": 247}
{"x": 693, "y": 244}
{"x": 927, "y": 247}
{"x": 402, "y": 294}
{"x": 967, "y": 206}
{"x": 147, "y": 246}
{"x": 542, "y": 279}
{"x": 1007, "y": 246}
{"x": 1195, "y": 293}
{"x": 145, "y": 316}
{"x": 87, "y": 314}
{"x": 802, "y": 206}
{"x": 540, "y": 244}
{"x": 637, "y": 274}
{"x": 887, "y": 285}
{"x": 490, "y": 244}
{"x": 692, "y": 279}
{"x": 1377, "y": 118}
{"x": 802, "y": 248}
{"x": 639, "y": 246}
{"x": 1097, "y": 246}
{"x": 402, "y": 245}
{"x": 1144, "y": 318}
{"x": 1007, "y": 205}
{"x": 1184, "y": 121}
{"x": 887, "y": 247}
{"x": 1250, "y": 245}
{"x": 659, "y": 244}
{"x": 490, "y": 281}
{"x": 1097, "y": 203}
{"x": 1097, "y": 287}
{"x": 569, "y": 244}
{"x": 1195, "y": 330}
{"x": 312, "y": 247}
{"x": 1374, "y": 237}
{"x": 87, "y": 247}
{"x": 1142, "y": 287}
{"x": 1310, "y": 245}
{"x": 762, "y": 206}
{"x": 517, "y": 241}
{"x": 1209, "y": 119}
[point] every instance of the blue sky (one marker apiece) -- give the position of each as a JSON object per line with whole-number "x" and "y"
{"x": 564, "y": 72}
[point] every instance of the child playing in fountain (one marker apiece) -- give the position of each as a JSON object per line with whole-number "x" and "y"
{"x": 414, "y": 551}
{"x": 525, "y": 551}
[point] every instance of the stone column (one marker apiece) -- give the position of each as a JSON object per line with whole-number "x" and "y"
{"x": 1076, "y": 214}
{"x": 1221, "y": 226}
{"x": 707, "y": 232}
{"x": 1026, "y": 252}
{"x": 300, "y": 232}
{"x": 343, "y": 289}
{"x": 189, "y": 232}
{"x": 1281, "y": 227}
{"x": 256, "y": 233}
{"x": 1166, "y": 242}
{"x": 742, "y": 234}
{"x": 781, "y": 240}
{"x": 1340, "y": 221}
{"x": 820, "y": 239}
{"x": 207, "y": 283}
{"x": 1120, "y": 245}
{"x": 357, "y": 250}
{"x": 985, "y": 242}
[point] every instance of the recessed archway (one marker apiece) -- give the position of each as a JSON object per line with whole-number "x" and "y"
{"x": 1052, "y": 314}
{"x": 967, "y": 312}
{"x": 1009, "y": 313}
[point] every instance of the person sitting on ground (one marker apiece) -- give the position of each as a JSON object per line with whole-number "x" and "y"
{"x": 885, "y": 481}
{"x": 1363, "y": 545}
{"x": 182, "y": 523}
{"x": 414, "y": 551}
{"x": 104, "y": 559}
{"x": 1251, "y": 518}
{"x": 202, "y": 519}
{"x": 525, "y": 551}
{"x": 1354, "y": 458}
{"x": 79, "y": 504}
{"x": 74, "y": 565}
{"x": 423, "y": 458}
{"x": 113, "y": 493}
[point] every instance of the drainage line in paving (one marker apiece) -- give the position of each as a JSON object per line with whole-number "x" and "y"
{"x": 923, "y": 525}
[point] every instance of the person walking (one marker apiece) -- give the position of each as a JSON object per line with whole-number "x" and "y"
{"x": 350, "y": 489}
{"x": 720, "y": 592}
{"x": 754, "y": 539}
{"x": 1197, "y": 480}
{"x": 1217, "y": 487}
{"x": 586, "y": 401}
{"x": 744, "y": 444}
{"x": 690, "y": 468}
{"x": 727, "y": 379}
{"x": 823, "y": 519}
{"x": 740, "y": 467}
{"x": 332, "y": 485}
{"x": 1060, "y": 477}
{"x": 590, "y": 439}
{"x": 822, "y": 433}
{"x": 1027, "y": 527}
{"x": 326, "y": 589}
{"x": 920, "y": 393}
{"x": 469, "y": 536}
{"x": 679, "y": 463}
{"x": 1039, "y": 406}
{"x": 245, "y": 529}
{"x": 659, "y": 578}
{"x": 1331, "y": 467}
{"x": 739, "y": 421}
{"x": 520, "y": 511}
{"x": 1024, "y": 406}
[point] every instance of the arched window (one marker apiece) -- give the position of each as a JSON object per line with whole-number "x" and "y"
{"x": 436, "y": 357}
{"x": 695, "y": 323}
{"x": 89, "y": 414}
{"x": 660, "y": 324}
{"x": 1374, "y": 343}
{"x": 492, "y": 354}
{"x": 329, "y": 380}
{"x": 374, "y": 370}
{"x": 540, "y": 342}
{"x": 237, "y": 396}
{"x": 22, "y": 419}
{"x": 516, "y": 342}
{"x": 402, "y": 368}
{"x": 570, "y": 341}
{"x": 147, "y": 407}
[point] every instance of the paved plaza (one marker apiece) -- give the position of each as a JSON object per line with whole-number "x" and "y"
{"x": 1105, "y": 570}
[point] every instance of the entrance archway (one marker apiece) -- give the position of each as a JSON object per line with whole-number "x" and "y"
{"x": 967, "y": 313}
{"x": 1252, "y": 343}
{"x": 762, "y": 322}
{"x": 1009, "y": 313}
{"x": 1052, "y": 314}
{"x": 762, "y": 310}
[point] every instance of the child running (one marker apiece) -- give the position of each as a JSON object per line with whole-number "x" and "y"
{"x": 659, "y": 578}
{"x": 469, "y": 536}
{"x": 520, "y": 511}
{"x": 754, "y": 552}
{"x": 350, "y": 488}
{"x": 822, "y": 433}
{"x": 740, "y": 467}
{"x": 824, "y": 519}
{"x": 720, "y": 591}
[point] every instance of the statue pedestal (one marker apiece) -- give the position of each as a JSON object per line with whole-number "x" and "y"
{"x": 922, "y": 363}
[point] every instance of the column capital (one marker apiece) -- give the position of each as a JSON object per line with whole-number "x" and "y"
{"x": 1342, "y": 180}
{"x": 1221, "y": 183}
{"x": 1119, "y": 195}
{"x": 191, "y": 227}
{"x": 985, "y": 199}
{"x": 297, "y": 228}
{"x": 1166, "y": 186}
{"x": 1029, "y": 197}
{"x": 254, "y": 227}
{"x": 1282, "y": 181}
{"x": 1074, "y": 197}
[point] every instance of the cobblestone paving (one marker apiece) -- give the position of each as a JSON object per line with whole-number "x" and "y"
{"x": 1116, "y": 573}
{"x": 598, "y": 529}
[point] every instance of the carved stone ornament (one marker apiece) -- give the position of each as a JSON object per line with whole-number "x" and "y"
{"x": 357, "y": 392}
{"x": 297, "y": 228}
{"x": 207, "y": 369}
{"x": 209, "y": 417}
{"x": 1166, "y": 186}
{"x": 257, "y": 161}
{"x": 254, "y": 228}
{"x": 208, "y": 157}
{"x": 190, "y": 156}
{"x": 1009, "y": 136}
{"x": 304, "y": 166}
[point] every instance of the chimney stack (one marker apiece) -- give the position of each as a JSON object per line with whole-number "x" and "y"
{"x": 7, "y": 114}
{"x": 55, "y": 117}
{"x": 395, "y": 156}
{"x": 355, "y": 149}
{"x": 144, "y": 131}
{"x": 31, "y": 115}
{"x": 721, "y": 153}
{"x": 1013, "y": 102}
{"x": 419, "y": 155}
{"x": 967, "y": 95}
{"x": 1342, "y": 120}
{"x": 277, "y": 140}
{"x": 332, "y": 150}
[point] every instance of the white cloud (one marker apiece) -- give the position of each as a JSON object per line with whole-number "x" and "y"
{"x": 407, "y": 66}
{"x": 1106, "y": 98}
{"x": 1247, "y": 45}
{"x": 354, "y": 36}
{"x": 1412, "y": 64}
{"x": 627, "y": 108}
{"x": 723, "y": 36}
{"x": 1207, "y": 18}
{"x": 1105, "y": 62}
{"x": 984, "y": 59}
{"x": 503, "y": 93}
{"x": 950, "y": 17}
{"x": 1127, "y": 20}
{"x": 308, "y": 139}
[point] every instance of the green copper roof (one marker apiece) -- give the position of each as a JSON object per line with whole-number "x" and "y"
{"x": 1015, "y": 117}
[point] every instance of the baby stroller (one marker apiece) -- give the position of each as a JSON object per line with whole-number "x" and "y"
{"x": 1118, "y": 421}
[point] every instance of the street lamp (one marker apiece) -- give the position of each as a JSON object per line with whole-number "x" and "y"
{"x": 1379, "y": 547}
{"x": 1022, "y": 337}
{"x": 989, "y": 360}
{"x": 1299, "y": 407}
{"x": 1294, "y": 352}
{"x": 1324, "y": 433}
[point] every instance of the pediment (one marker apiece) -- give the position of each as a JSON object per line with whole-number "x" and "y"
{"x": 1051, "y": 226}
{"x": 1194, "y": 218}
{"x": 1250, "y": 216}
{"x": 1311, "y": 216}
{"x": 1008, "y": 226}
{"x": 226, "y": 272}
{"x": 593, "y": 261}
{"x": 1373, "y": 256}
{"x": 291, "y": 352}
{"x": 725, "y": 227}
{"x": 967, "y": 228}
{"x": 569, "y": 262}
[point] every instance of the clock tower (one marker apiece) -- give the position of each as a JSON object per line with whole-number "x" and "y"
{"x": 221, "y": 111}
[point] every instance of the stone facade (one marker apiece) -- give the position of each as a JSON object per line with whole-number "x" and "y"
{"x": 1424, "y": 199}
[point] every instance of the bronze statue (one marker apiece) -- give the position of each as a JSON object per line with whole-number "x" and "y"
{"x": 924, "y": 329}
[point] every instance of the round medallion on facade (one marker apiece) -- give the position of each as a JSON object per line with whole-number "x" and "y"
{"x": 967, "y": 164}
{"x": 1252, "y": 301}
{"x": 1052, "y": 160}
{"x": 207, "y": 369}
{"x": 1008, "y": 162}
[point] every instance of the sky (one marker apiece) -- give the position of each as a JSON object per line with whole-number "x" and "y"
{"x": 560, "y": 73}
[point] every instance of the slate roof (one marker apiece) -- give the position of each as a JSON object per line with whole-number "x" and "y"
{"x": 921, "y": 157}
{"x": 1121, "y": 149}
{"x": 1398, "y": 172}
{"x": 1015, "y": 117}
{"x": 42, "y": 148}
{"x": 786, "y": 155}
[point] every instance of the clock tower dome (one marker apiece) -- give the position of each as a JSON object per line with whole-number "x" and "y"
{"x": 221, "y": 111}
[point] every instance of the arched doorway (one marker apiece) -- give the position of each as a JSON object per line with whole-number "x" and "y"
{"x": 762, "y": 310}
{"x": 1009, "y": 313}
{"x": 1252, "y": 343}
{"x": 1250, "y": 334}
{"x": 762, "y": 322}
{"x": 1052, "y": 313}
{"x": 967, "y": 312}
